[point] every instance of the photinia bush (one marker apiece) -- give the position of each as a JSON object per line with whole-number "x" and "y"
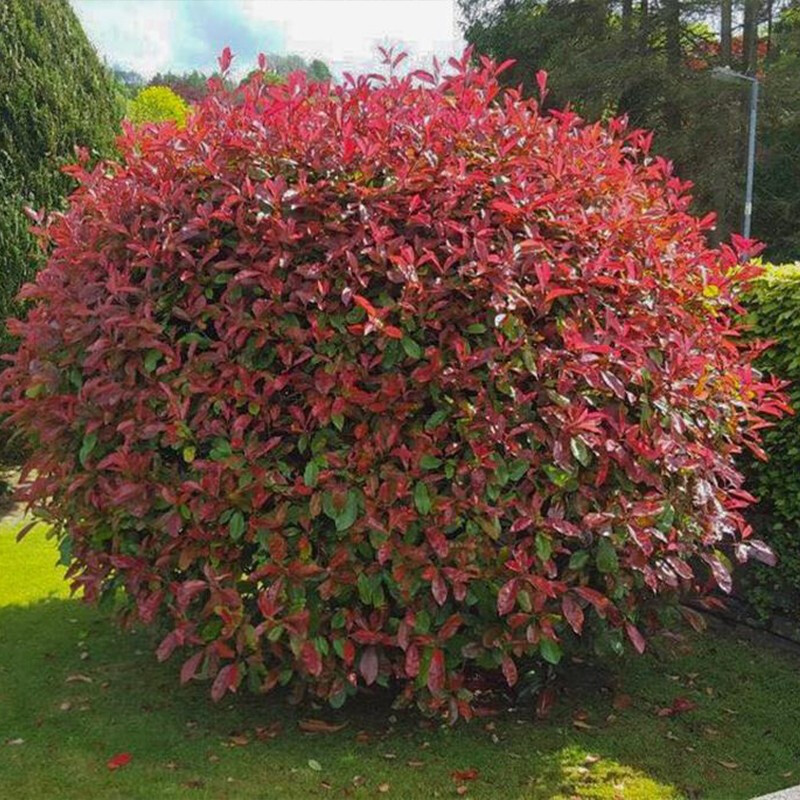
{"x": 387, "y": 382}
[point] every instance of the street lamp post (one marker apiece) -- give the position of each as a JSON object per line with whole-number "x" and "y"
{"x": 727, "y": 74}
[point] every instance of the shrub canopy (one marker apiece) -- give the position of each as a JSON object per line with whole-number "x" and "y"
{"x": 387, "y": 381}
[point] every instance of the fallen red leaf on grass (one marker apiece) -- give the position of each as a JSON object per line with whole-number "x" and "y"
{"x": 119, "y": 760}
{"x": 319, "y": 726}
{"x": 465, "y": 774}
{"x": 679, "y": 705}
{"x": 622, "y": 701}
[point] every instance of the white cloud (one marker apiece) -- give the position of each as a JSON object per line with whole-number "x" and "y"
{"x": 157, "y": 35}
{"x": 345, "y": 33}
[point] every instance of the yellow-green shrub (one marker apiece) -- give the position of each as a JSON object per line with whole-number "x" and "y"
{"x": 774, "y": 312}
{"x": 158, "y": 104}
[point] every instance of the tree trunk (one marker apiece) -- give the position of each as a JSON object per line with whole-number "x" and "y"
{"x": 644, "y": 26}
{"x": 750, "y": 36}
{"x": 726, "y": 32}
{"x": 672, "y": 10}
{"x": 627, "y": 14}
{"x": 770, "y": 4}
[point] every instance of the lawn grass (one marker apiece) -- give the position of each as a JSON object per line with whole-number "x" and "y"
{"x": 743, "y": 738}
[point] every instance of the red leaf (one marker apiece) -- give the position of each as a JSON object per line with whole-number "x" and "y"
{"x": 679, "y": 705}
{"x": 460, "y": 775}
{"x": 412, "y": 661}
{"x": 227, "y": 680}
{"x": 365, "y": 304}
{"x": 507, "y": 596}
{"x": 637, "y": 640}
{"x": 119, "y": 760}
{"x": 509, "y": 670}
{"x": 622, "y": 701}
{"x": 311, "y": 658}
{"x": 436, "y": 672}
{"x": 320, "y": 726}
{"x": 694, "y": 618}
{"x": 225, "y": 60}
{"x": 189, "y": 668}
{"x": 348, "y": 652}
{"x": 541, "y": 82}
{"x": 392, "y": 332}
{"x": 761, "y": 552}
{"x": 368, "y": 665}
{"x": 167, "y": 646}
{"x": 598, "y": 600}
{"x": 573, "y": 613}
{"x": 720, "y": 572}
{"x": 545, "y": 702}
{"x": 439, "y": 589}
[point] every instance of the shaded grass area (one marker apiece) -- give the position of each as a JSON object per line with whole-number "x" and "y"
{"x": 77, "y": 691}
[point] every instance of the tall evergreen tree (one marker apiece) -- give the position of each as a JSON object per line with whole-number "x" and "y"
{"x": 55, "y": 94}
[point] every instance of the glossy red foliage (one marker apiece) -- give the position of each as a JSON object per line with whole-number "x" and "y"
{"x": 380, "y": 382}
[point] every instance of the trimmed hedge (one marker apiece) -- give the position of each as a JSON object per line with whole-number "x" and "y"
{"x": 54, "y": 94}
{"x": 774, "y": 306}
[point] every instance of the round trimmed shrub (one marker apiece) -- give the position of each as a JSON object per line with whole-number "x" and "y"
{"x": 158, "y": 104}
{"x": 387, "y": 382}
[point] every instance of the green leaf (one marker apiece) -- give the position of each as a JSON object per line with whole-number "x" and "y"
{"x": 338, "y": 421}
{"x": 606, "y": 558}
{"x": 550, "y": 650}
{"x": 422, "y": 622}
{"x": 315, "y": 765}
{"x": 476, "y": 327}
{"x": 237, "y": 525}
{"x": 500, "y": 470}
{"x": 151, "y": 360}
{"x": 544, "y": 547}
{"x": 422, "y": 500}
{"x": 89, "y": 442}
{"x": 412, "y": 349}
{"x": 581, "y": 452}
{"x": 65, "y": 551}
{"x": 516, "y": 469}
{"x": 364, "y": 588}
{"x": 579, "y": 559}
{"x": 311, "y": 474}
{"x": 189, "y": 454}
{"x": 430, "y": 462}
{"x": 435, "y": 419}
{"x": 558, "y": 476}
{"x": 221, "y": 449}
{"x": 339, "y": 619}
{"x": 343, "y": 517}
{"x": 666, "y": 518}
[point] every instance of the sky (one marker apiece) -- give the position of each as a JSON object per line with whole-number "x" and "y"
{"x": 151, "y": 36}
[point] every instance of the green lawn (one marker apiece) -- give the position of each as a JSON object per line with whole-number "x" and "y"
{"x": 76, "y": 692}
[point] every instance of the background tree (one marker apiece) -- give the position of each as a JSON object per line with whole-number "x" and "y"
{"x": 652, "y": 60}
{"x": 777, "y": 186}
{"x": 190, "y": 86}
{"x": 55, "y": 94}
